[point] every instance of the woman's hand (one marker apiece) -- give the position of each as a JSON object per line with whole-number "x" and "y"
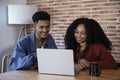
{"x": 78, "y": 68}
{"x": 84, "y": 63}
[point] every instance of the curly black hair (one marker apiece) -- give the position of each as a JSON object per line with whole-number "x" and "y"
{"x": 40, "y": 15}
{"x": 95, "y": 34}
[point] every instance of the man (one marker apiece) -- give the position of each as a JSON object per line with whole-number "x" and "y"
{"x": 24, "y": 54}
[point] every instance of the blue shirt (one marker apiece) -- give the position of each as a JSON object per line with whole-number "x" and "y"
{"x": 24, "y": 54}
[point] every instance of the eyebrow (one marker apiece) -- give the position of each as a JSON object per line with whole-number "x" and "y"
{"x": 43, "y": 26}
{"x": 78, "y": 30}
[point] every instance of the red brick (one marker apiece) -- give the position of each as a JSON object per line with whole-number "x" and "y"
{"x": 64, "y": 12}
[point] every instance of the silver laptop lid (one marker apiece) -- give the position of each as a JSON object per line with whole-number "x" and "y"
{"x": 55, "y": 61}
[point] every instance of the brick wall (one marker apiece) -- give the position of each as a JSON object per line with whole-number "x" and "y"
{"x": 63, "y": 12}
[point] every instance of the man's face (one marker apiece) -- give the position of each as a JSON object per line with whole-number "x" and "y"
{"x": 42, "y": 28}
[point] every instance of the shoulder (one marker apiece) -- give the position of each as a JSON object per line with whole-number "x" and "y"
{"x": 25, "y": 39}
{"x": 49, "y": 38}
{"x": 49, "y": 41}
{"x": 98, "y": 47}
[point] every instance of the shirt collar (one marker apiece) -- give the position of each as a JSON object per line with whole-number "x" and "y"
{"x": 45, "y": 44}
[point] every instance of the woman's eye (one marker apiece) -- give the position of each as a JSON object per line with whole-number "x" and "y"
{"x": 76, "y": 31}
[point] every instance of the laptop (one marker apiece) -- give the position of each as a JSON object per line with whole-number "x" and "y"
{"x": 55, "y": 61}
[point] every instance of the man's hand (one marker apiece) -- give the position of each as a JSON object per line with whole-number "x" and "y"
{"x": 33, "y": 67}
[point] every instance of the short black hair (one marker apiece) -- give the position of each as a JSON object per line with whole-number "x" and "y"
{"x": 40, "y": 15}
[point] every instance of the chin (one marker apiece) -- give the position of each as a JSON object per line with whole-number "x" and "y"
{"x": 44, "y": 36}
{"x": 79, "y": 41}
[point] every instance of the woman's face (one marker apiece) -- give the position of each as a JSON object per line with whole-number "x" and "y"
{"x": 80, "y": 34}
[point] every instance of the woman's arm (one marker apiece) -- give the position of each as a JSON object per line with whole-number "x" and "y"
{"x": 106, "y": 60}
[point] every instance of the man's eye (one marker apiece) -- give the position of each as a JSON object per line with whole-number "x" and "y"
{"x": 40, "y": 27}
{"x": 48, "y": 26}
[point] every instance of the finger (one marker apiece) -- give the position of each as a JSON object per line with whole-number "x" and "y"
{"x": 82, "y": 61}
{"x": 82, "y": 65}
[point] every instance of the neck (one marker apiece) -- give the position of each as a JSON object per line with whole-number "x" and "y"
{"x": 37, "y": 37}
{"x": 39, "y": 42}
{"x": 82, "y": 46}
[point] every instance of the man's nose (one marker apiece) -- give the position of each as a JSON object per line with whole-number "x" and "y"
{"x": 45, "y": 29}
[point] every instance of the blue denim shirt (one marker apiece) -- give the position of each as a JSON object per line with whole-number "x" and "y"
{"x": 24, "y": 54}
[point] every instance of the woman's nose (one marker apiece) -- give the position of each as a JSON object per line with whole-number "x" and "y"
{"x": 79, "y": 34}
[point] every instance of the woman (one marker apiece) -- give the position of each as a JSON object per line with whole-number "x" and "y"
{"x": 89, "y": 43}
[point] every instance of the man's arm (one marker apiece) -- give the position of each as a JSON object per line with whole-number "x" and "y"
{"x": 21, "y": 59}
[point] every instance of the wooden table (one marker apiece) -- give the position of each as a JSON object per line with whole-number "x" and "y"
{"x": 83, "y": 75}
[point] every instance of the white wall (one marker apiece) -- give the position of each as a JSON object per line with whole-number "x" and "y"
{"x": 8, "y": 33}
